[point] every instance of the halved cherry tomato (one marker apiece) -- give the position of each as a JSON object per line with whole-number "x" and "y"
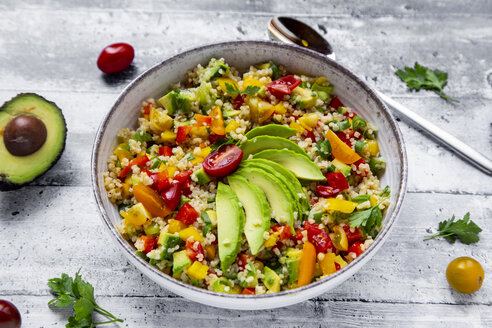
{"x": 182, "y": 176}
{"x": 162, "y": 180}
{"x": 359, "y": 162}
{"x": 202, "y": 120}
{"x": 139, "y": 160}
{"x": 238, "y": 101}
{"x": 284, "y": 231}
{"x": 172, "y": 196}
{"x": 194, "y": 249}
{"x": 223, "y": 161}
{"x": 357, "y": 248}
{"x": 283, "y": 86}
{"x": 337, "y": 180}
{"x": 183, "y": 132}
{"x": 115, "y": 58}
{"x": 187, "y": 214}
{"x": 311, "y": 136}
{"x": 343, "y": 136}
{"x": 354, "y": 235}
{"x": 146, "y": 243}
{"x": 165, "y": 151}
{"x": 298, "y": 236}
{"x": 326, "y": 191}
{"x": 339, "y": 238}
{"x": 151, "y": 200}
{"x": 243, "y": 260}
{"x": 335, "y": 103}
{"x": 319, "y": 238}
{"x": 337, "y": 266}
{"x": 249, "y": 291}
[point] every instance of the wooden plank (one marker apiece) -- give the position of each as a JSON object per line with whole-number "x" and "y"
{"x": 51, "y": 230}
{"x": 372, "y": 47}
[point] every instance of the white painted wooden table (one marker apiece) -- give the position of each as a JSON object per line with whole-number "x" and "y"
{"x": 52, "y": 226}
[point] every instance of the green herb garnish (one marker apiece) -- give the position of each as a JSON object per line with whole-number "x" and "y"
{"x": 142, "y": 136}
{"x": 79, "y": 293}
{"x": 250, "y": 90}
{"x": 324, "y": 148}
{"x": 423, "y": 77}
{"x": 465, "y": 230}
{"x": 275, "y": 72}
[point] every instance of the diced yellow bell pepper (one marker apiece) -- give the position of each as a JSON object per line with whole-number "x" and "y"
{"x": 190, "y": 232}
{"x": 137, "y": 215}
{"x": 372, "y": 147}
{"x": 125, "y": 190}
{"x": 338, "y": 259}
{"x": 251, "y": 81}
{"x": 231, "y": 126}
{"x": 260, "y": 110}
{"x": 296, "y": 126}
{"x": 162, "y": 167}
{"x": 159, "y": 120}
{"x": 309, "y": 121}
{"x": 280, "y": 108}
{"x": 171, "y": 170}
{"x": 328, "y": 264}
{"x": 272, "y": 240}
{"x": 197, "y": 160}
{"x": 175, "y": 226}
{"x": 205, "y": 151}
{"x": 199, "y": 132}
{"x": 341, "y": 205}
{"x": 217, "y": 125}
{"x": 197, "y": 270}
{"x": 168, "y": 137}
{"x": 320, "y": 80}
{"x": 222, "y": 81}
{"x": 373, "y": 200}
{"x": 340, "y": 150}
{"x": 122, "y": 153}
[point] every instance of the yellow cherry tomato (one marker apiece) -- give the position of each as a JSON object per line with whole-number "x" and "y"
{"x": 465, "y": 275}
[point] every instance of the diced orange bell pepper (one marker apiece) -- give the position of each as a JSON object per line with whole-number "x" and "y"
{"x": 202, "y": 120}
{"x": 340, "y": 150}
{"x": 307, "y": 264}
{"x": 211, "y": 251}
{"x": 139, "y": 160}
{"x": 217, "y": 122}
{"x": 151, "y": 200}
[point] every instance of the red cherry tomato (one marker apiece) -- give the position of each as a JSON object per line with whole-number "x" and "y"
{"x": 165, "y": 151}
{"x": 172, "y": 196}
{"x": 343, "y": 136}
{"x": 146, "y": 243}
{"x": 238, "y": 101}
{"x": 359, "y": 162}
{"x": 115, "y": 58}
{"x": 284, "y": 231}
{"x": 243, "y": 260}
{"x": 352, "y": 236}
{"x": 9, "y": 315}
{"x": 326, "y": 191}
{"x": 335, "y": 103}
{"x": 337, "y": 180}
{"x": 194, "y": 250}
{"x": 249, "y": 291}
{"x": 223, "y": 161}
{"x": 319, "y": 238}
{"x": 187, "y": 214}
{"x": 213, "y": 137}
{"x": 283, "y": 86}
{"x": 357, "y": 248}
{"x": 163, "y": 180}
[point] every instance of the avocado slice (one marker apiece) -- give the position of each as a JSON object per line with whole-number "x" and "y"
{"x": 275, "y": 130}
{"x": 279, "y": 197}
{"x": 178, "y": 100}
{"x": 302, "y": 167}
{"x": 257, "y": 210}
{"x": 304, "y": 98}
{"x": 292, "y": 263}
{"x": 201, "y": 176}
{"x": 32, "y": 139}
{"x": 341, "y": 167}
{"x": 289, "y": 179}
{"x": 323, "y": 92}
{"x": 259, "y": 143}
{"x": 214, "y": 70}
{"x": 205, "y": 97}
{"x": 271, "y": 280}
{"x": 168, "y": 241}
{"x": 180, "y": 261}
{"x": 230, "y": 222}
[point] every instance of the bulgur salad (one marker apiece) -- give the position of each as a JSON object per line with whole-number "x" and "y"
{"x": 248, "y": 183}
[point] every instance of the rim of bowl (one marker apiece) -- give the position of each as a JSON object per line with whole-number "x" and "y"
{"x": 371, "y": 93}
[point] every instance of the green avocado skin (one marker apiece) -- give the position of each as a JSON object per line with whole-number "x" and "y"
{"x": 5, "y": 183}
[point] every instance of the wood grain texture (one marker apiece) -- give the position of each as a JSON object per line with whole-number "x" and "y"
{"x": 52, "y": 226}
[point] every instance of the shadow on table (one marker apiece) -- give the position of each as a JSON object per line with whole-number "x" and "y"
{"x": 120, "y": 78}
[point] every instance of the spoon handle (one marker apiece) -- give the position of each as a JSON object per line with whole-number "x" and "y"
{"x": 446, "y": 139}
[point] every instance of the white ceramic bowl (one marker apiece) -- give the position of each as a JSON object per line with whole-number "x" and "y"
{"x": 351, "y": 90}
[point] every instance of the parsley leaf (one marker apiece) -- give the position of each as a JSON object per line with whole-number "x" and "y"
{"x": 250, "y": 90}
{"x": 223, "y": 141}
{"x": 142, "y": 136}
{"x": 324, "y": 148}
{"x": 465, "y": 230}
{"x": 423, "y": 77}
{"x": 80, "y": 293}
{"x": 368, "y": 219}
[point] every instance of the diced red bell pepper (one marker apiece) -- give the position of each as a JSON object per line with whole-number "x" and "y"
{"x": 249, "y": 291}
{"x": 163, "y": 181}
{"x": 313, "y": 201}
{"x": 284, "y": 231}
{"x": 146, "y": 243}
{"x": 187, "y": 214}
{"x": 352, "y": 236}
{"x": 350, "y": 115}
{"x": 357, "y": 248}
{"x": 172, "y": 196}
{"x": 337, "y": 180}
{"x": 335, "y": 103}
{"x": 183, "y": 132}
{"x": 165, "y": 151}
{"x": 194, "y": 250}
{"x": 154, "y": 177}
{"x": 283, "y": 86}
{"x": 182, "y": 176}
{"x": 213, "y": 137}
{"x": 238, "y": 102}
{"x": 337, "y": 266}
{"x": 343, "y": 136}
{"x": 139, "y": 160}
{"x": 311, "y": 136}
{"x": 185, "y": 188}
{"x": 359, "y": 162}
{"x": 147, "y": 109}
{"x": 243, "y": 260}
{"x": 326, "y": 191}
{"x": 202, "y": 120}
{"x": 319, "y": 238}
{"x": 298, "y": 236}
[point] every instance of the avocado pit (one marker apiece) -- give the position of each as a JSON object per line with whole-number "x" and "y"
{"x": 24, "y": 135}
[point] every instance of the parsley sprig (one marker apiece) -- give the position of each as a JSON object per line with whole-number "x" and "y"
{"x": 80, "y": 293}
{"x": 423, "y": 77}
{"x": 465, "y": 230}
{"x": 233, "y": 90}
{"x": 367, "y": 219}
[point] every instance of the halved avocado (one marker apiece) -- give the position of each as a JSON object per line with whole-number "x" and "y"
{"x": 32, "y": 139}
{"x": 259, "y": 143}
{"x": 275, "y": 130}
